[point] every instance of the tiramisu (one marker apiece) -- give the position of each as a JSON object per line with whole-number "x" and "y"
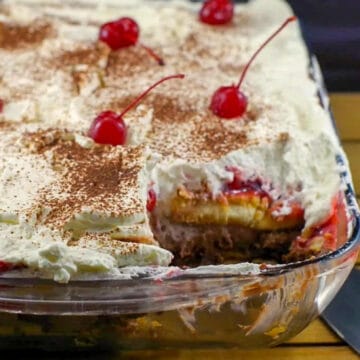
{"x": 98, "y": 173}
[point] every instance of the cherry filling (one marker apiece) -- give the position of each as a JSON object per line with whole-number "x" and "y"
{"x": 241, "y": 186}
{"x": 151, "y": 200}
{"x": 248, "y": 188}
{"x": 5, "y": 266}
{"x": 123, "y": 33}
{"x": 327, "y": 235}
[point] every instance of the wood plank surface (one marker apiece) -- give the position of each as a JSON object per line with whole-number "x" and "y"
{"x": 316, "y": 332}
{"x": 346, "y": 108}
{"x": 280, "y": 353}
{"x": 352, "y": 150}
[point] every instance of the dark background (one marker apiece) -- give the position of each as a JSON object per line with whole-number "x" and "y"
{"x": 332, "y": 30}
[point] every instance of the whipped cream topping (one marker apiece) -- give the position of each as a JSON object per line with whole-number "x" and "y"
{"x": 272, "y": 162}
{"x": 56, "y": 75}
{"x": 51, "y": 255}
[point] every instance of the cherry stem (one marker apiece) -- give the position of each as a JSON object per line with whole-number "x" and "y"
{"x": 152, "y": 53}
{"x": 281, "y": 28}
{"x": 138, "y": 99}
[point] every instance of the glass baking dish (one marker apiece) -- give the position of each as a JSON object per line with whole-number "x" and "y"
{"x": 217, "y": 307}
{"x": 234, "y": 305}
{"x": 220, "y": 305}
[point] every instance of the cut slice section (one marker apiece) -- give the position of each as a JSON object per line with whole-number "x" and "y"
{"x": 237, "y": 225}
{"x": 210, "y": 235}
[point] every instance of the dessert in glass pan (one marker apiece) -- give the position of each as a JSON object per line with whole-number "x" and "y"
{"x": 169, "y": 173}
{"x": 161, "y": 137}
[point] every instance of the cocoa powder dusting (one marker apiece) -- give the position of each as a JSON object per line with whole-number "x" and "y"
{"x": 103, "y": 178}
{"x": 133, "y": 60}
{"x": 14, "y": 36}
{"x": 85, "y": 54}
{"x": 199, "y": 136}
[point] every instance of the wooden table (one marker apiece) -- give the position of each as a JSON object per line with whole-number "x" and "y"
{"x": 316, "y": 342}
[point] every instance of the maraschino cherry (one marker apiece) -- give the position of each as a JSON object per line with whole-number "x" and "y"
{"x": 123, "y": 33}
{"x": 109, "y": 128}
{"x": 217, "y": 12}
{"x": 229, "y": 102}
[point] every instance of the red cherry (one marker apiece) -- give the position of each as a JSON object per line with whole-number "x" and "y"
{"x": 109, "y": 128}
{"x": 217, "y": 12}
{"x": 123, "y": 33}
{"x": 229, "y": 102}
{"x": 1, "y": 105}
{"x": 151, "y": 201}
{"x": 120, "y": 33}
